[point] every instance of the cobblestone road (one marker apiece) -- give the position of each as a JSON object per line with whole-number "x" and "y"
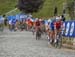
{"x": 23, "y": 44}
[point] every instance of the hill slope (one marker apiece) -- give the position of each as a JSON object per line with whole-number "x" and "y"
{"x": 7, "y": 5}
{"x": 46, "y": 11}
{"x": 48, "y": 8}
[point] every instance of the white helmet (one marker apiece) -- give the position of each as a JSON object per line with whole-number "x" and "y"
{"x": 36, "y": 18}
{"x": 57, "y": 18}
{"x": 49, "y": 20}
{"x": 60, "y": 17}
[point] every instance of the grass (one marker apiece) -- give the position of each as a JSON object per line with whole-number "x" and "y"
{"x": 48, "y": 8}
{"x": 7, "y": 5}
{"x": 46, "y": 12}
{"x": 67, "y": 40}
{"x": 13, "y": 12}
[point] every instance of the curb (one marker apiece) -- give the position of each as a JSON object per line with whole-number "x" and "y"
{"x": 68, "y": 46}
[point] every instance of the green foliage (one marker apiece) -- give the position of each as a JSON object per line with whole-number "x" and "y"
{"x": 71, "y": 9}
{"x": 7, "y": 5}
{"x": 46, "y": 12}
{"x": 30, "y": 6}
{"x": 48, "y": 8}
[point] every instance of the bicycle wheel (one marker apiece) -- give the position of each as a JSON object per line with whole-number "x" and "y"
{"x": 38, "y": 35}
{"x": 58, "y": 42}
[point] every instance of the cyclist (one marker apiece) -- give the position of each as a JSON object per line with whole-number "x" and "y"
{"x": 57, "y": 27}
{"x": 38, "y": 28}
{"x": 52, "y": 32}
{"x": 37, "y": 24}
{"x": 1, "y": 23}
{"x": 49, "y": 31}
{"x": 13, "y": 24}
{"x": 43, "y": 26}
{"x": 46, "y": 26}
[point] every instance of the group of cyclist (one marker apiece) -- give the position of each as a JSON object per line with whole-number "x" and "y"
{"x": 52, "y": 28}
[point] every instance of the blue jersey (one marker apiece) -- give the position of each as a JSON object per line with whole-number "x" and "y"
{"x": 43, "y": 22}
{"x": 52, "y": 24}
{"x": 46, "y": 22}
{"x": 13, "y": 22}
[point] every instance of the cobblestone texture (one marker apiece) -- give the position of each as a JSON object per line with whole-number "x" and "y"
{"x": 23, "y": 44}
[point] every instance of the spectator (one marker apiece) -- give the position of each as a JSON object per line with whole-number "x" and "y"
{"x": 5, "y": 20}
{"x": 1, "y": 23}
{"x": 63, "y": 18}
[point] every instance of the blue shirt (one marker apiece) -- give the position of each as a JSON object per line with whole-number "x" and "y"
{"x": 52, "y": 23}
{"x": 46, "y": 22}
{"x": 13, "y": 21}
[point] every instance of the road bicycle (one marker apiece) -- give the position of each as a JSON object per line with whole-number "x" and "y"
{"x": 38, "y": 34}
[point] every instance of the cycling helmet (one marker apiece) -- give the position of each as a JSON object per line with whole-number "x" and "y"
{"x": 36, "y": 19}
{"x": 57, "y": 18}
{"x": 49, "y": 20}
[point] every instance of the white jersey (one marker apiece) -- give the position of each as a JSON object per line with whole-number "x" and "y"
{"x": 10, "y": 22}
{"x": 1, "y": 20}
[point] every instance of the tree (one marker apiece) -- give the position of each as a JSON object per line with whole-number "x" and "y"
{"x": 71, "y": 8}
{"x": 30, "y": 6}
{"x": 55, "y": 11}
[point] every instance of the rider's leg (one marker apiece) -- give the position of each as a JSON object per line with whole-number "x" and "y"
{"x": 49, "y": 34}
{"x": 48, "y": 37}
{"x": 55, "y": 36}
{"x": 52, "y": 36}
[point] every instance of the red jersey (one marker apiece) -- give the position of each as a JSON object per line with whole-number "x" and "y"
{"x": 58, "y": 24}
{"x": 37, "y": 23}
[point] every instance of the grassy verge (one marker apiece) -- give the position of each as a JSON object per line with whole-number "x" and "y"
{"x": 45, "y": 12}
{"x": 68, "y": 41}
{"x": 7, "y": 5}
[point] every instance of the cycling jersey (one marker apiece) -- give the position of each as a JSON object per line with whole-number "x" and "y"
{"x": 13, "y": 22}
{"x": 52, "y": 25}
{"x": 58, "y": 24}
{"x": 37, "y": 23}
{"x": 46, "y": 25}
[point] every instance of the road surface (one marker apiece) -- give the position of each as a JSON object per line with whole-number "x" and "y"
{"x": 23, "y": 44}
